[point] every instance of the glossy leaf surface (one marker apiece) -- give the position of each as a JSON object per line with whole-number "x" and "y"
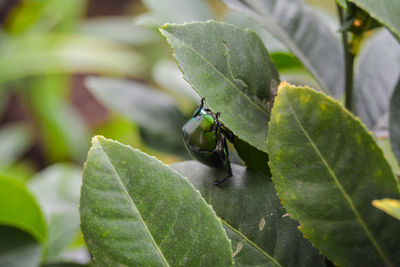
{"x": 296, "y": 25}
{"x": 386, "y": 12}
{"x": 377, "y": 70}
{"x": 327, "y": 170}
{"x": 18, "y": 248}
{"x": 262, "y": 233}
{"x": 232, "y": 69}
{"x": 19, "y": 209}
{"x": 394, "y": 121}
{"x": 138, "y": 212}
{"x": 390, "y": 206}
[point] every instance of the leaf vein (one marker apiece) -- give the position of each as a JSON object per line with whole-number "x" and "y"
{"x": 339, "y": 185}
{"x": 133, "y": 206}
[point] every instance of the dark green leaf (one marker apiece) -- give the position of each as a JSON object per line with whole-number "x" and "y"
{"x": 232, "y": 69}
{"x": 57, "y": 190}
{"x": 138, "y": 212}
{"x": 386, "y": 12}
{"x": 394, "y": 121}
{"x": 154, "y": 111}
{"x": 376, "y": 73}
{"x": 327, "y": 170}
{"x": 18, "y": 248}
{"x": 305, "y": 35}
{"x": 253, "y": 158}
{"x": 19, "y": 209}
{"x": 261, "y": 232}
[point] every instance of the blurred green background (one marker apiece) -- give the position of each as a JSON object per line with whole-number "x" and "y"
{"x": 72, "y": 69}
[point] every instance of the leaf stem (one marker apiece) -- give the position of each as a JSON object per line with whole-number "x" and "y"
{"x": 349, "y": 64}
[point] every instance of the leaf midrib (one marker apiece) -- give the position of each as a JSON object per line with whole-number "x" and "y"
{"x": 251, "y": 243}
{"x": 133, "y": 206}
{"x": 339, "y": 185}
{"x": 221, "y": 74}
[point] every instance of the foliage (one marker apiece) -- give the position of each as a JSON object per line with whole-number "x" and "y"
{"x": 310, "y": 186}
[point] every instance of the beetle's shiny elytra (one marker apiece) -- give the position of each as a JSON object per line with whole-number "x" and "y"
{"x": 205, "y": 140}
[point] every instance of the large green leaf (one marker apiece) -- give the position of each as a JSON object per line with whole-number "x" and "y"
{"x": 261, "y": 232}
{"x": 232, "y": 69}
{"x": 394, "y": 121}
{"x": 19, "y": 209}
{"x": 57, "y": 190}
{"x": 154, "y": 111}
{"x": 18, "y": 248}
{"x": 390, "y": 206}
{"x": 296, "y": 25}
{"x": 138, "y": 212}
{"x": 384, "y": 11}
{"x": 377, "y": 70}
{"x": 327, "y": 170}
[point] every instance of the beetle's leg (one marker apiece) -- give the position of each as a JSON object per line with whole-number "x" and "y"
{"x": 227, "y": 163}
{"x": 200, "y": 107}
{"x": 228, "y": 134}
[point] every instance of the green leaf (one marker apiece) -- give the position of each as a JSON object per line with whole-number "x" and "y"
{"x": 297, "y": 26}
{"x": 327, "y": 170}
{"x": 19, "y": 209}
{"x": 232, "y": 69}
{"x": 394, "y": 122}
{"x": 386, "y": 12}
{"x": 253, "y": 158}
{"x": 154, "y": 111}
{"x": 15, "y": 139}
{"x": 18, "y": 248}
{"x": 57, "y": 190}
{"x": 152, "y": 216}
{"x": 261, "y": 232}
{"x": 390, "y": 206}
{"x": 377, "y": 70}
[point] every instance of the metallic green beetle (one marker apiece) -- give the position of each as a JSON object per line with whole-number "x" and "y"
{"x": 205, "y": 139}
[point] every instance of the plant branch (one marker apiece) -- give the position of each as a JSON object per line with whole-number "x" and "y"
{"x": 349, "y": 64}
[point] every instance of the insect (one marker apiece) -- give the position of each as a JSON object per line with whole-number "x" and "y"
{"x": 205, "y": 140}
